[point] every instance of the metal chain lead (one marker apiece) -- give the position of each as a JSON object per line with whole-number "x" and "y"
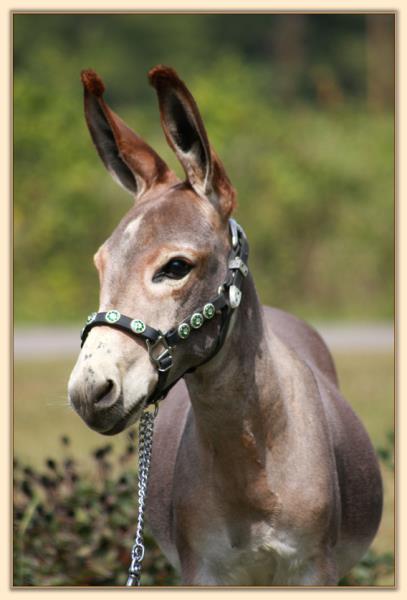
{"x": 146, "y": 429}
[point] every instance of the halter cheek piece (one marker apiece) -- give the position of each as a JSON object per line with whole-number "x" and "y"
{"x": 160, "y": 345}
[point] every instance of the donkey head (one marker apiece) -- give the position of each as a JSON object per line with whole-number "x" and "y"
{"x": 167, "y": 255}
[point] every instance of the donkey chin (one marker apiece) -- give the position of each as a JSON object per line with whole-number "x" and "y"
{"x": 107, "y": 402}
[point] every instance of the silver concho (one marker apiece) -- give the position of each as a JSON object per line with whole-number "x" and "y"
{"x": 235, "y": 296}
{"x": 112, "y": 316}
{"x": 208, "y": 310}
{"x": 138, "y": 326}
{"x": 196, "y": 320}
{"x": 184, "y": 330}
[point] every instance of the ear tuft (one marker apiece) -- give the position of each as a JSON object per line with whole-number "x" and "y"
{"x": 92, "y": 82}
{"x": 161, "y": 74}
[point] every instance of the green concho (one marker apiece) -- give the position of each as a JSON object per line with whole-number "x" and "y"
{"x": 112, "y": 316}
{"x": 208, "y": 310}
{"x": 138, "y": 326}
{"x": 91, "y": 318}
{"x": 184, "y": 330}
{"x": 196, "y": 320}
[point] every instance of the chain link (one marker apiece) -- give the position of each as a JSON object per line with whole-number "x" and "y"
{"x": 146, "y": 429}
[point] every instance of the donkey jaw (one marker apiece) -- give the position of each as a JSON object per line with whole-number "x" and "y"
{"x": 115, "y": 419}
{"x": 127, "y": 420}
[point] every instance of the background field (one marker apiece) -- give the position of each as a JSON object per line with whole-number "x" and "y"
{"x": 41, "y": 417}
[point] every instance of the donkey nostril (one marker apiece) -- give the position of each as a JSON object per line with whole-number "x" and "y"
{"x": 104, "y": 391}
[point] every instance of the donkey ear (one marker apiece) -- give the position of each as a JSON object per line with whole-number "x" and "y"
{"x": 130, "y": 161}
{"x": 186, "y": 134}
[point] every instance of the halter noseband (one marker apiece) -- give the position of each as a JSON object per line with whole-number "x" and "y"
{"x": 159, "y": 344}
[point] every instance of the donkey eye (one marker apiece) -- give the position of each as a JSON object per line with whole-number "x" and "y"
{"x": 176, "y": 268}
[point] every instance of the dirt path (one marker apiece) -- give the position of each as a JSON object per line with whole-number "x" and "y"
{"x": 48, "y": 342}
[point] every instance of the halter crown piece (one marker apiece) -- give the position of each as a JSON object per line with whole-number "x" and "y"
{"x": 160, "y": 345}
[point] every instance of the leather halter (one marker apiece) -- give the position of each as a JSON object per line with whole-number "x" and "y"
{"x": 159, "y": 344}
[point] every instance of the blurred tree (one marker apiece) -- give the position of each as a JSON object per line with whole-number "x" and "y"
{"x": 286, "y": 102}
{"x": 290, "y": 52}
{"x": 380, "y": 61}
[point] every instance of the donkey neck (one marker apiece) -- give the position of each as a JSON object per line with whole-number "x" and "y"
{"x": 230, "y": 395}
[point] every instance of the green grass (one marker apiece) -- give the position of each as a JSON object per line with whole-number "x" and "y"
{"x": 42, "y": 416}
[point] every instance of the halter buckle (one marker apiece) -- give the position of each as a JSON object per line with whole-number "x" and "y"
{"x": 237, "y": 264}
{"x": 162, "y": 360}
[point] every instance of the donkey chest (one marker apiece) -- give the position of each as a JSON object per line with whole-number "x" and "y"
{"x": 220, "y": 542}
{"x": 254, "y": 554}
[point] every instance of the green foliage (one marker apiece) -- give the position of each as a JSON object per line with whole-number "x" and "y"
{"x": 386, "y": 451}
{"x": 311, "y": 160}
{"x": 74, "y": 525}
{"x": 370, "y": 569}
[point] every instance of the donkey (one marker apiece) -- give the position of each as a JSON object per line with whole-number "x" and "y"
{"x": 261, "y": 473}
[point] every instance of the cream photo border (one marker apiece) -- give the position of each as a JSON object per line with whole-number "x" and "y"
{"x": 6, "y": 9}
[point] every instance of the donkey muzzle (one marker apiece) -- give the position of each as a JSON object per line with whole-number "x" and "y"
{"x": 97, "y": 398}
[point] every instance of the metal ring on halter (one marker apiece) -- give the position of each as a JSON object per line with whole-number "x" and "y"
{"x": 163, "y": 361}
